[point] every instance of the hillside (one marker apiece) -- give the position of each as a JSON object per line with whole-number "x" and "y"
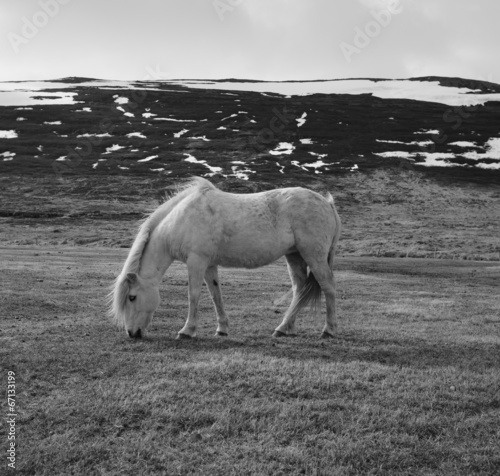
{"x": 81, "y": 160}
{"x": 179, "y": 129}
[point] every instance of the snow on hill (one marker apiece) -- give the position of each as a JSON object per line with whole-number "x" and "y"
{"x": 429, "y": 91}
{"x": 22, "y": 93}
{"x": 248, "y": 129}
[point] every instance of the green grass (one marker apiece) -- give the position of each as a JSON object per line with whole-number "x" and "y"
{"x": 410, "y": 386}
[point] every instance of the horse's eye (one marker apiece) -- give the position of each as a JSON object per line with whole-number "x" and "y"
{"x": 132, "y": 298}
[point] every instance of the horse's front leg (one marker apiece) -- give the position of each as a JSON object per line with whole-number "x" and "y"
{"x": 213, "y": 284}
{"x": 196, "y": 271}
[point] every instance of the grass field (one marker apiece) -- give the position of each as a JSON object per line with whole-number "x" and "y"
{"x": 410, "y": 386}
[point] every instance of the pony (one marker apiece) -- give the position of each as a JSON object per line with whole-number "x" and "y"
{"x": 205, "y": 227}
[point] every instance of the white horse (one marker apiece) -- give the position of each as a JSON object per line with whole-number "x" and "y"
{"x": 205, "y": 227}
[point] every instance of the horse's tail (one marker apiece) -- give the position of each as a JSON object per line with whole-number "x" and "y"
{"x": 310, "y": 294}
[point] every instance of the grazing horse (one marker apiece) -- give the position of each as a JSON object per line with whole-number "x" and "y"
{"x": 205, "y": 228}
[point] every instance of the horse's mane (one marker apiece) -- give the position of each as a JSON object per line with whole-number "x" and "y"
{"x": 117, "y": 298}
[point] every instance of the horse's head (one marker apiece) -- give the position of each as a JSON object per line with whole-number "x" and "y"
{"x": 141, "y": 299}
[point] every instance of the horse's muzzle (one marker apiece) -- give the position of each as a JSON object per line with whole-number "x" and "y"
{"x": 135, "y": 335}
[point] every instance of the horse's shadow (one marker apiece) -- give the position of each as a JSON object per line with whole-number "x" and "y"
{"x": 353, "y": 347}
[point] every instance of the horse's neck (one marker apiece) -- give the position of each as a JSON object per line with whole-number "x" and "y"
{"x": 155, "y": 261}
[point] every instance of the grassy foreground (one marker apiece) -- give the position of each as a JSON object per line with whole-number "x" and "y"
{"x": 410, "y": 386}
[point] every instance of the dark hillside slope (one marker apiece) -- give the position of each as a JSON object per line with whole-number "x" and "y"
{"x": 175, "y": 131}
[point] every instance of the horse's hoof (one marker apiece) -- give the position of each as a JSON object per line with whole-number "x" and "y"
{"x": 279, "y": 334}
{"x": 221, "y": 334}
{"x": 181, "y": 336}
{"x": 326, "y": 335}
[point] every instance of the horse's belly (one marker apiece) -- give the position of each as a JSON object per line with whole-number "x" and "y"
{"x": 254, "y": 251}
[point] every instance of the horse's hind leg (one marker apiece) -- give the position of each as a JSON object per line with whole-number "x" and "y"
{"x": 324, "y": 277}
{"x": 297, "y": 269}
{"x": 213, "y": 284}
{"x": 196, "y": 271}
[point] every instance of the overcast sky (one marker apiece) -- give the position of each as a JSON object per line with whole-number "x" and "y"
{"x": 254, "y": 39}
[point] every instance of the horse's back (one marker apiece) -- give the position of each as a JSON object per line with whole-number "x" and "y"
{"x": 252, "y": 230}
{"x": 286, "y": 208}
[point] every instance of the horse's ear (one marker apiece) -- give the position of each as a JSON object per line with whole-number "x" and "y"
{"x": 131, "y": 278}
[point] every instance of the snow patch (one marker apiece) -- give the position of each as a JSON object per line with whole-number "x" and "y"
{"x": 464, "y": 144}
{"x": 282, "y": 149}
{"x": 29, "y": 98}
{"x": 395, "y": 154}
{"x": 321, "y": 156}
{"x": 106, "y": 134}
{"x": 433, "y": 132}
{"x": 241, "y": 174}
{"x": 180, "y": 133}
{"x": 429, "y": 91}
{"x": 229, "y": 117}
{"x": 194, "y": 160}
{"x": 437, "y": 159}
{"x": 114, "y": 148}
{"x": 8, "y": 134}
{"x": 420, "y": 144}
{"x": 7, "y": 156}
{"x": 492, "y": 151}
{"x": 316, "y": 165}
{"x": 172, "y": 119}
{"x": 147, "y": 159}
{"x": 297, "y": 164}
{"x": 301, "y": 120}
